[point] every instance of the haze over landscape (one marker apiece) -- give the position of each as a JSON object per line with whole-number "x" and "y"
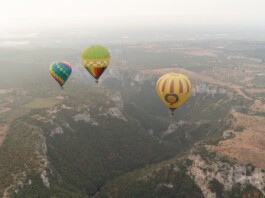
{"x": 116, "y": 138}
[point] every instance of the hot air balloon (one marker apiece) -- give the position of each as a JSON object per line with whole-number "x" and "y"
{"x": 96, "y": 59}
{"x": 173, "y": 89}
{"x": 60, "y": 71}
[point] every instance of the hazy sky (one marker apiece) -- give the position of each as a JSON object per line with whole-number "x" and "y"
{"x": 27, "y": 13}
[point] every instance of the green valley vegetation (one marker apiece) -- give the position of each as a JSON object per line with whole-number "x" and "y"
{"x": 116, "y": 139}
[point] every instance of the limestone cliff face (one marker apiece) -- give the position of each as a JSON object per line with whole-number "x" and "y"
{"x": 86, "y": 117}
{"x": 116, "y": 111}
{"x": 37, "y": 163}
{"x": 133, "y": 78}
{"x": 208, "y": 167}
{"x": 210, "y": 89}
{"x": 58, "y": 130}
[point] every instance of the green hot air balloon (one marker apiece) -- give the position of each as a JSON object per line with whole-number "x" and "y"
{"x": 96, "y": 59}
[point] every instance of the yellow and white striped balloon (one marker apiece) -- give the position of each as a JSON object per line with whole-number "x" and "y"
{"x": 173, "y": 89}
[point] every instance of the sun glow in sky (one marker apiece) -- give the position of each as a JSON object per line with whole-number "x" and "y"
{"x": 30, "y": 13}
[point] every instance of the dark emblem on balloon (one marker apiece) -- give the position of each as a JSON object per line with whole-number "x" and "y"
{"x": 172, "y": 98}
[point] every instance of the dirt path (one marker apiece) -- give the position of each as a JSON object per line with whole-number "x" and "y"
{"x": 198, "y": 77}
{"x": 247, "y": 146}
{"x": 255, "y": 90}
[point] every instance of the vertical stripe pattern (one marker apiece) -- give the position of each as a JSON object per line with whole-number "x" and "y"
{"x": 172, "y": 86}
{"x": 181, "y": 87}
{"x": 173, "y": 89}
{"x": 188, "y": 86}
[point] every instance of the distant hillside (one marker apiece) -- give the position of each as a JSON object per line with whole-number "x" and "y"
{"x": 116, "y": 139}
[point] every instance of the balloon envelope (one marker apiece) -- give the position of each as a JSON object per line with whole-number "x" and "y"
{"x": 96, "y": 59}
{"x": 173, "y": 89}
{"x": 60, "y": 71}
